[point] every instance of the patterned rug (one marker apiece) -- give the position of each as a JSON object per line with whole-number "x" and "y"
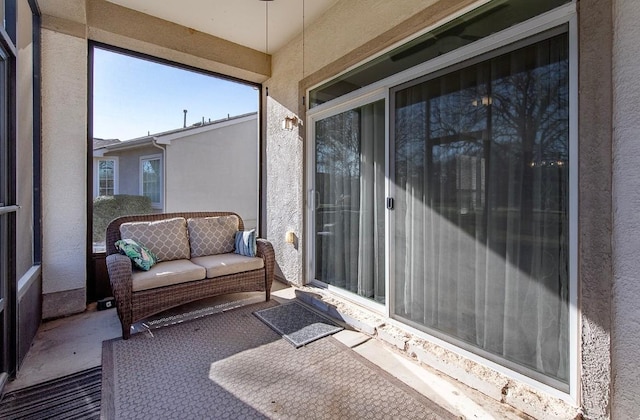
{"x": 75, "y": 396}
{"x": 231, "y": 365}
{"x": 297, "y": 324}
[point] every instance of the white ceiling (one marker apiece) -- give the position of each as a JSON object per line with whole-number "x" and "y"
{"x": 239, "y": 21}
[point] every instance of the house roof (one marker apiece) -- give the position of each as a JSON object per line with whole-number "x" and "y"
{"x": 98, "y": 143}
{"x": 101, "y": 146}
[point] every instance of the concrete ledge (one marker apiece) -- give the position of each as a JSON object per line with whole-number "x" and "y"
{"x": 31, "y": 276}
{"x": 486, "y": 380}
{"x": 393, "y": 336}
{"x": 349, "y": 314}
{"x": 29, "y": 309}
{"x": 64, "y": 303}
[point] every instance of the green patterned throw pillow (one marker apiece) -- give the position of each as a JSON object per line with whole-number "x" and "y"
{"x": 140, "y": 255}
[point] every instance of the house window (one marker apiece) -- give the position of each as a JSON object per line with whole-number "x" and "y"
{"x": 107, "y": 177}
{"x": 151, "y": 179}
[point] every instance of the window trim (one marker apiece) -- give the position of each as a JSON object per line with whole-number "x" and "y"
{"x": 524, "y": 30}
{"x": 158, "y": 156}
{"x": 96, "y": 175}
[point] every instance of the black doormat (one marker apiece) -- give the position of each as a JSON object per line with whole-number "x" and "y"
{"x": 297, "y": 324}
{"x": 75, "y": 396}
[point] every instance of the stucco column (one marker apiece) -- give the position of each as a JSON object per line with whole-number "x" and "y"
{"x": 594, "y": 236}
{"x": 626, "y": 211}
{"x": 284, "y": 180}
{"x": 64, "y": 173}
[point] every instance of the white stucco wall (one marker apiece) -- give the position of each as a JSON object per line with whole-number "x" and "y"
{"x": 215, "y": 170}
{"x": 626, "y": 216}
{"x": 64, "y": 167}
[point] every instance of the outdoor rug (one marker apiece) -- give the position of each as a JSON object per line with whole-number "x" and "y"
{"x": 231, "y": 365}
{"x": 297, "y": 324}
{"x": 75, "y": 396}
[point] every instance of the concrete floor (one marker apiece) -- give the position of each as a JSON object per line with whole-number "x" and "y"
{"x": 72, "y": 344}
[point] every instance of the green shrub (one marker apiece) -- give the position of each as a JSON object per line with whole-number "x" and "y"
{"x": 107, "y": 208}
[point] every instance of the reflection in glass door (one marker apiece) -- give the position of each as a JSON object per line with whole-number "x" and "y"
{"x": 481, "y": 178}
{"x": 349, "y": 201}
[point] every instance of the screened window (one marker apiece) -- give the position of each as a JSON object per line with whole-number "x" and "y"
{"x": 151, "y": 179}
{"x": 134, "y": 120}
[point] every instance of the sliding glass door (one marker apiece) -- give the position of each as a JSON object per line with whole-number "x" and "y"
{"x": 349, "y": 222}
{"x": 452, "y": 195}
{"x": 481, "y": 222}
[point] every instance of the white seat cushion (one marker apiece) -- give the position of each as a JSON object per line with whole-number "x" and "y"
{"x": 225, "y": 264}
{"x": 167, "y": 273}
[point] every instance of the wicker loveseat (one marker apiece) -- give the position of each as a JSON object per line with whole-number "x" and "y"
{"x": 172, "y": 282}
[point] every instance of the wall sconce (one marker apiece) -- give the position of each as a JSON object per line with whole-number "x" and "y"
{"x": 289, "y": 237}
{"x": 289, "y": 123}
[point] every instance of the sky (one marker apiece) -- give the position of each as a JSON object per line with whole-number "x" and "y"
{"x": 133, "y": 97}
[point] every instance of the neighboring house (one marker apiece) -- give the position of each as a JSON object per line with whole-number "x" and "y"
{"x": 210, "y": 166}
{"x": 468, "y": 170}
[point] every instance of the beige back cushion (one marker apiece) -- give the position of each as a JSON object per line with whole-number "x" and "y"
{"x": 212, "y": 235}
{"x": 166, "y": 238}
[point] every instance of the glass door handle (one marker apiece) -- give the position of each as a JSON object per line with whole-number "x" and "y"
{"x": 314, "y": 199}
{"x": 8, "y": 209}
{"x": 390, "y": 203}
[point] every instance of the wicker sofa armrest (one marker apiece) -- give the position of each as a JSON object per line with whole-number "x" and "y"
{"x": 264, "y": 250}
{"x": 120, "y": 269}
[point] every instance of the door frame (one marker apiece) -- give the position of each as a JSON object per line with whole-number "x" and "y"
{"x": 8, "y": 208}
{"x": 314, "y": 116}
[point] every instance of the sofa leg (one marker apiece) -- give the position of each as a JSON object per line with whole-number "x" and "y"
{"x": 126, "y": 332}
{"x": 267, "y": 295}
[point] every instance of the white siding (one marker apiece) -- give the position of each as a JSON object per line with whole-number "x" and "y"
{"x": 215, "y": 170}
